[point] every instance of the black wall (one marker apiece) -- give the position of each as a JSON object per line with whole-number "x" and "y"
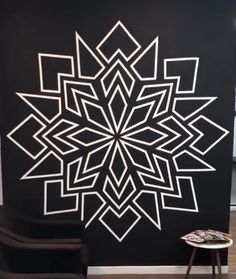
{"x": 120, "y": 114}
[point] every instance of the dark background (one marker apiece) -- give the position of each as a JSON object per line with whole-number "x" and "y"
{"x": 204, "y": 29}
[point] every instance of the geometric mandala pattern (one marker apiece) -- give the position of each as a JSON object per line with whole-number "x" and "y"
{"x": 107, "y": 130}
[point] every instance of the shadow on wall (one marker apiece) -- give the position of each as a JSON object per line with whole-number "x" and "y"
{"x": 233, "y": 185}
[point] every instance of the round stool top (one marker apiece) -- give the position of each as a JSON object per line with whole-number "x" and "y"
{"x": 211, "y": 245}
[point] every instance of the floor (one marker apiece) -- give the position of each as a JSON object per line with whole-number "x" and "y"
{"x": 160, "y": 276}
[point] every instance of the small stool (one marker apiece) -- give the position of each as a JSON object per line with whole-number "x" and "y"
{"x": 214, "y": 247}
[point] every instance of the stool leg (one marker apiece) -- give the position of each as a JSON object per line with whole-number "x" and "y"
{"x": 191, "y": 262}
{"x": 213, "y": 256}
{"x": 218, "y": 263}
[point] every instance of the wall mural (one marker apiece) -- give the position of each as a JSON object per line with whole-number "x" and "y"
{"x": 116, "y": 136}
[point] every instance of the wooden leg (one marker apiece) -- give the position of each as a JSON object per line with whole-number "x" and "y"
{"x": 191, "y": 262}
{"x": 218, "y": 263}
{"x": 213, "y": 256}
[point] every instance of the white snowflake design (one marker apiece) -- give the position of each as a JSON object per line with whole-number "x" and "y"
{"x": 119, "y": 136}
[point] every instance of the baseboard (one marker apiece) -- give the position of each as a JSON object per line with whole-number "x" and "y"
{"x": 233, "y": 208}
{"x": 97, "y": 270}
